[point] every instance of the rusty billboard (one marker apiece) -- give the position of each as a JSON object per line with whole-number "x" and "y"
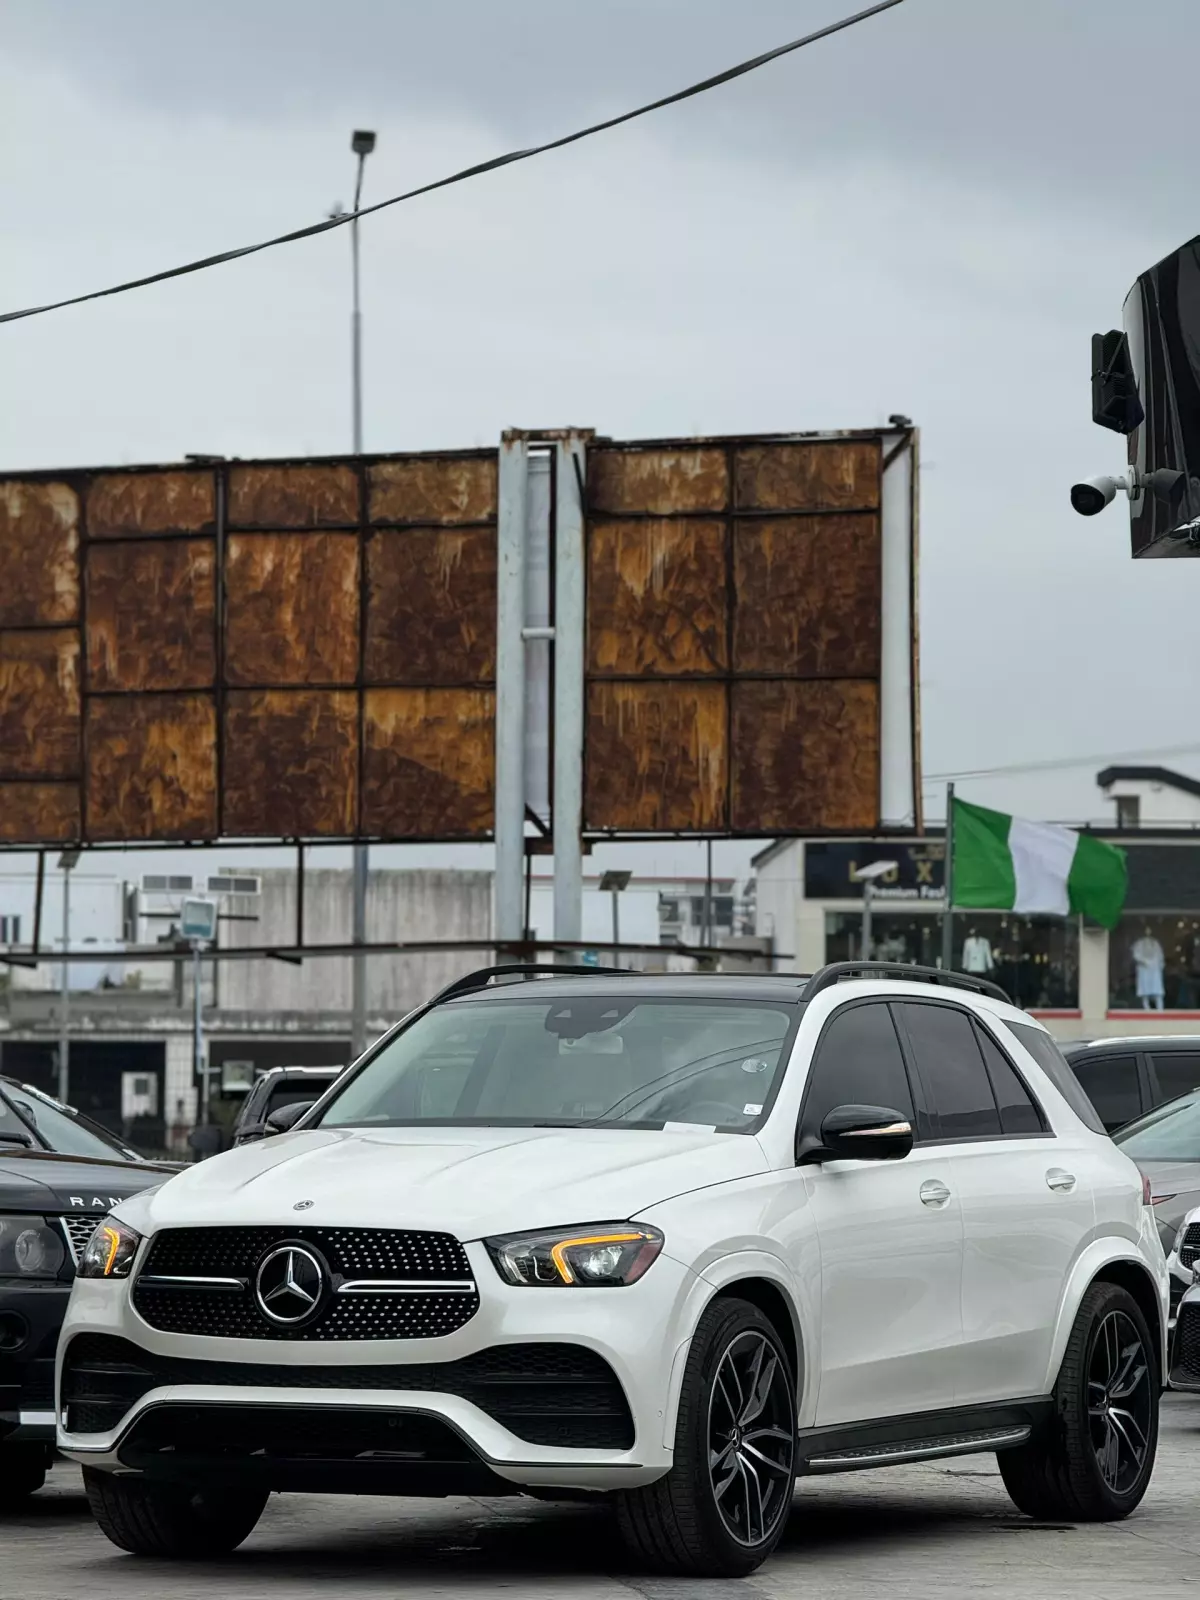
{"x": 307, "y": 650}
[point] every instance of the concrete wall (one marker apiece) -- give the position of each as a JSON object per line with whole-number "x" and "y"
{"x": 400, "y": 906}
{"x": 1159, "y": 804}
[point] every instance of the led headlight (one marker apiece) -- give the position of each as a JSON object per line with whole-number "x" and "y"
{"x": 110, "y": 1251}
{"x": 607, "y": 1255}
{"x": 30, "y": 1247}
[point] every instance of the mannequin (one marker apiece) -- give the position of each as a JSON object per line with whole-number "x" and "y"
{"x": 1148, "y": 962}
{"x": 977, "y": 954}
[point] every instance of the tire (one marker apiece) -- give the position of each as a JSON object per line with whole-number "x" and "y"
{"x": 166, "y": 1519}
{"x": 708, "y": 1521}
{"x": 22, "y": 1473}
{"x": 1067, "y": 1474}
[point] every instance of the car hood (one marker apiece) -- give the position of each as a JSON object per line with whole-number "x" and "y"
{"x": 466, "y": 1181}
{"x": 40, "y": 1181}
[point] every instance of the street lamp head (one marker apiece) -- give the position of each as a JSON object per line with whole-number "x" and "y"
{"x": 362, "y": 141}
{"x": 874, "y": 870}
{"x": 615, "y": 882}
{"x": 68, "y": 859}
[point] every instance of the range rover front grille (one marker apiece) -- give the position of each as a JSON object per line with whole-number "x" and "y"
{"x": 550, "y": 1394}
{"x": 376, "y": 1283}
{"x": 79, "y": 1227}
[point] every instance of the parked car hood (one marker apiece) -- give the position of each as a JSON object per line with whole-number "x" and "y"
{"x": 40, "y": 1181}
{"x": 465, "y": 1181}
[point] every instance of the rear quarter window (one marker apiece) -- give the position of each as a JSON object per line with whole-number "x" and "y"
{"x": 1054, "y": 1064}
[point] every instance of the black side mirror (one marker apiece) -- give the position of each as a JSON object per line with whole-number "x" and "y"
{"x": 859, "y": 1133}
{"x": 205, "y": 1140}
{"x": 25, "y": 1139}
{"x": 286, "y": 1118}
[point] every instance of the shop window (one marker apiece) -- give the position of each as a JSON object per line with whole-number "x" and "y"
{"x": 1034, "y": 959}
{"x": 1154, "y": 963}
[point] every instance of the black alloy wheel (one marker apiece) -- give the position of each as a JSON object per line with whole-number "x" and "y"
{"x": 751, "y": 1439}
{"x": 1119, "y": 1400}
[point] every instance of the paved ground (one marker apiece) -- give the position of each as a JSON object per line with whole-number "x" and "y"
{"x": 922, "y": 1533}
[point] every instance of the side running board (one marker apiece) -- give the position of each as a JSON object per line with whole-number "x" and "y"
{"x": 931, "y": 1449}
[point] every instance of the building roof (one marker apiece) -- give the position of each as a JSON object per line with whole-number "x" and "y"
{"x": 1163, "y": 775}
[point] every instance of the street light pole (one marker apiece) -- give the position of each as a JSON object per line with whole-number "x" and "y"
{"x": 868, "y": 876}
{"x": 362, "y": 143}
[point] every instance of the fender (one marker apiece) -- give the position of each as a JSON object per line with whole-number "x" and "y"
{"x": 1099, "y": 1254}
{"x": 723, "y": 1273}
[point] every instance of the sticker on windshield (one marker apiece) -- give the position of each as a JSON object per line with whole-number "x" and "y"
{"x": 752, "y": 1111}
{"x": 755, "y": 1064}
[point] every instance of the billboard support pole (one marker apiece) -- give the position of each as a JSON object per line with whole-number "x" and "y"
{"x": 948, "y": 912}
{"x": 568, "y": 686}
{"x": 510, "y": 690}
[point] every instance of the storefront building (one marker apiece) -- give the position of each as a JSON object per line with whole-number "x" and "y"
{"x": 1082, "y": 980}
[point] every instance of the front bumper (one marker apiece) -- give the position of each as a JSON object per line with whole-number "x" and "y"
{"x": 31, "y": 1315}
{"x": 639, "y": 1331}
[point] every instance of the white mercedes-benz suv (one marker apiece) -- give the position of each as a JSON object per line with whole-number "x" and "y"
{"x": 673, "y": 1240}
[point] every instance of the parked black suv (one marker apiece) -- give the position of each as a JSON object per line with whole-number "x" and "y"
{"x": 59, "y": 1175}
{"x": 1125, "y": 1078}
{"x": 276, "y": 1088}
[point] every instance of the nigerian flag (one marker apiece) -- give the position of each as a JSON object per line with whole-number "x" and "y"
{"x": 1003, "y": 863}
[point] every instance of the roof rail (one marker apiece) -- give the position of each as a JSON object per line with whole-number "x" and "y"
{"x": 836, "y": 971}
{"x": 480, "y": 979}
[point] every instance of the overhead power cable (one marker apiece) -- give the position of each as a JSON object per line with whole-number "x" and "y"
{"x": 458, "y": 177}
{"x": 1062, "y": 763}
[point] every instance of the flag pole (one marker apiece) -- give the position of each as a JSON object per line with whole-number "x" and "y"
{"x": 948, "y": 909}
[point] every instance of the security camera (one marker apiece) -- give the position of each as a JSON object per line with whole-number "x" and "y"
{"x": 1092, "y": 496}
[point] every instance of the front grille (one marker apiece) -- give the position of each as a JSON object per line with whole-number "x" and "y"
{"x": 550, "y": 1394}
{"x": 79, "y": 1227}
{"x": 1189, "y": 1247}
{"x": 1185, "y": 1357}
{"x": 357, "y": 1255}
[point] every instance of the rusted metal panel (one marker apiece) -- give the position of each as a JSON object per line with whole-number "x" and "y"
{"x": 431, "y": 606}
{"x": 428, "y": 763}
{"x": 657, "y": 757}
{"x": 39, "y": 703}
{"x": 808, "y": 596}
{"x": 832, "y": 475}
{"x": 150, "y": 615}
{"x": 291, "y": 763}
{"x": 293, "y": 497}
{"x": 134, "y": 504}
{"x": 805, "y": 756}
{"x": 657, "y": 598}
{"x": 445, "y": 489}
{"x": 291, "y": 610}
{"x": 39, "y": 553}
{"x": 151, "y": 767}
{"x": 39, "y": 813}
{"x": 664, "y": 482}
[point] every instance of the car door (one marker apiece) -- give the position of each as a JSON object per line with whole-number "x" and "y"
{"x": 1026, "y": 1200}
{"x": 1112, "y": 1083}
{"x": 889, "y": 1234}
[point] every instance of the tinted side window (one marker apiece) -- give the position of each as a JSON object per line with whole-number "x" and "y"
{"x": 1177, "y": 1073}
{"x": 1019, "y": 1112}
{"x": 1054, "y": 1064}
{"x": 1111, "y": 1084}
{"x": 952, "y": 1071}
{"x": 858, "y": 1062}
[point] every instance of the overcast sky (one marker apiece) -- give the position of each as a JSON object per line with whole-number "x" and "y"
{"x": 930, "y": 213}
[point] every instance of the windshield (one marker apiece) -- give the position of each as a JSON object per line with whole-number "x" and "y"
{"x": 66, "y": 1132}
{"x": 608, "y": 1061}
{"x": 1169, "y": 1133}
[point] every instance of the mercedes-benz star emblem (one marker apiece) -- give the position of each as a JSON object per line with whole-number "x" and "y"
{"x": 289, "y": 1284}
{"x": 302, "y": 1205}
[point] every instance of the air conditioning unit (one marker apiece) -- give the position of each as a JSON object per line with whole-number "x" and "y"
{"x": 234, "y": 883}
{"x": 166, "y": 883}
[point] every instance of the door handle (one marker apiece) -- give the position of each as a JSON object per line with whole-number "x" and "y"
{"x": 1056, "y": 1178}
{"x": 933, "y": 1193}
